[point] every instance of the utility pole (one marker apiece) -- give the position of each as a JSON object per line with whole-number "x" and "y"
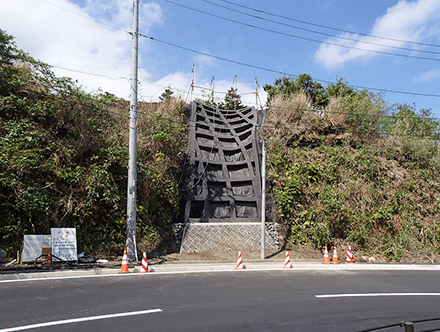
{"x": 132, "y": 143}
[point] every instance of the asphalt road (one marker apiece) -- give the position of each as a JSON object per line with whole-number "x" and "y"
{"x": 283, "y": 300}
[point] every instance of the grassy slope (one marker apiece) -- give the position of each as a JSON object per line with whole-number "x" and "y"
{"x": 63, "y": 161}
{"x": 335, "y": 183}
{"x": 334, "y": 177}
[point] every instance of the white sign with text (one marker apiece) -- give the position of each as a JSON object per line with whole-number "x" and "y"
{"x": 64, "y": 243}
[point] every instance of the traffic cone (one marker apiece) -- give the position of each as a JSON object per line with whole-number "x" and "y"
{"x": 335, "y": 256}
{"x": 349, "y": 258}
{"x": 326, "y": 259}
{"x": 124, "y": 266}
{"x": 144, "y": 266}
{"x": 287, "y": 264}
{"x": 240, "y": 265}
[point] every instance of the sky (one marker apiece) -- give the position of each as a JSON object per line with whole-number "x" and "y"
{"x": 387, "y": 46}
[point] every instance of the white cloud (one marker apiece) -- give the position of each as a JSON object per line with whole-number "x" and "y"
{"x": 221, "y": 87}
{"x": 180, "y": 83}
{"x": 415, "y": 21}
{"x": 55, "y": 35}
{"x": 59, "y": 37}
{"x": 428, "y": 76}
{"x": 204, "y": 60}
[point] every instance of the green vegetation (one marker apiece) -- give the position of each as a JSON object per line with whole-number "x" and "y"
{"x": 358, "y": 171}
{"x": 232, "y": 101}
{"x": 64, "y": 157}
{"x": 343, "y": 165}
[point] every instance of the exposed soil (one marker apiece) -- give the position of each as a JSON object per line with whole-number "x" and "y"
{"x": 296, "y": 252}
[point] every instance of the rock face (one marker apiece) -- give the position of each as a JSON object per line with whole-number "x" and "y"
{"x": 222, "y": 181}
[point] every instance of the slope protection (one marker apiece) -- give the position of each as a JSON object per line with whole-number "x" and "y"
{"x": 223, "y": 180}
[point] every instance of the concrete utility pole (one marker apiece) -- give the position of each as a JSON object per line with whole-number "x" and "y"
{"x": 132, "y": 143}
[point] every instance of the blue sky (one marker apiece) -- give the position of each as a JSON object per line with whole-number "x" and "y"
{"x": 290, "y": 37}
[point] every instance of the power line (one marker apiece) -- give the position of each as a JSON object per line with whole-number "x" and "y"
{"x": 317, "y": 143}
{"x": 317, "y": 32}
{"x": 299, "y": 37}
{"x": 237, "y": 62}
{"x": 284, "y": 73}
{"x": 327, "y": 27}
{"x": 88, "y": 73}
{"x": 84, "y": 16}
{"x": 393, "y": 116}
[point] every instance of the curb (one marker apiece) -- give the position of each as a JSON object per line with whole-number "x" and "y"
{"x": 214, "y": 267}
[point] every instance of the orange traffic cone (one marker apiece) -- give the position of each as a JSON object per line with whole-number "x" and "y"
{"x": 124, "y": 266}
{"x": 144, "y": 266}
{"x": 349, "y": 258}
{"x": 287, "y": 264}
{"x": 240, "y": 265}
{"x": 335, "y": 256}
{"x": 326, "y": 259}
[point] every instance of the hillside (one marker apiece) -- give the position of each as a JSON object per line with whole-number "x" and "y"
{"x": 64, "y": 158}
{"x": 346, "y": 168}
{"x": 343, "y": 166}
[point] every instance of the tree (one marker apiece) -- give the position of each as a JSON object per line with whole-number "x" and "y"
{"x": 232, "y": 101}
{"x": 340, "y": 89}
{"x": 166, "y": 96}
{"x": 405, "y": 120}
{"x": 8, "y": 50}
{"x": 287, "y": 86}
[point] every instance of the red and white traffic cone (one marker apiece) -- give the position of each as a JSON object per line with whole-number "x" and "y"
{"x": 287, "y": 264}
{"x": 240, "y": 265}
{"x": 124, "y": 266}
{"x": 335, "y": 256}
{"x": 349, "y": 258}
{"x": 326, "y": 259}
{"x": 144, "y": 265}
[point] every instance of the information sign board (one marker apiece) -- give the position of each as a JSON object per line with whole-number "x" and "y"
{"x": 34, "y": 246}
{"x": 64, "y": 243}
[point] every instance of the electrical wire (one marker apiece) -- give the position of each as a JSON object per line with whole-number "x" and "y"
{"x": 283, "y": 73}
{"x": 148, "y": 116}
{"x": 84, "y": 16}
{"x": 240, "y": 63}
{"x": 88, "y": 73}
{"x": 299, "y": 37}
{"x": 320, "y": 33}
{"x": 393, "y": 116}
{"x": 330, "y": 28}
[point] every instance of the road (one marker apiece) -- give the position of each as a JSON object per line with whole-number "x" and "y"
{"x": 284, "y": 300}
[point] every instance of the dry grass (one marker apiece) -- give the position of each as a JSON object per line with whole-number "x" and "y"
{"x": 387, "y": 186}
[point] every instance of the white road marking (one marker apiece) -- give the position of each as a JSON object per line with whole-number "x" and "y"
{"x": 227, "y": 268}
{"x": 376, "y": 294}
{"x": 77, "y": 320}
{"x": 133, "y": 275}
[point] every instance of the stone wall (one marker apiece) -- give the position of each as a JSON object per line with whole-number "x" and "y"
{"x": 193, "y": 237}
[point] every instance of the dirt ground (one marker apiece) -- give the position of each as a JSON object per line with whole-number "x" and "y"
{"x": 297, "y": 252}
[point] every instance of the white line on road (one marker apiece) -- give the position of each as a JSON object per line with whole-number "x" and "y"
{"x": 376, "y": 294}
{"x": 77, "y": 320}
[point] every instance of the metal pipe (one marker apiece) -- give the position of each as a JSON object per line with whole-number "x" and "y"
{"x": 263, "y": 199}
